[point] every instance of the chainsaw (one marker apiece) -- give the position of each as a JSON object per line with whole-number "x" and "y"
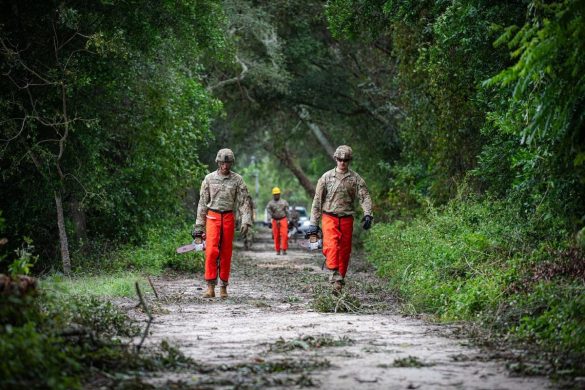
{"x": 197, "y": 245}
{"x": 312, "y": 243}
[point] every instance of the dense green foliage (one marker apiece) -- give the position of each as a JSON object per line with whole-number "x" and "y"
{"x": 493, "y": 99}
{"x": 513, "y": 113}
{"x": 97, "y": 107}
{"x": 473, "y": 260}
{"x": 155, "y": 253}
{"x": 466, "y": 118}
{"x": 59, "y": 342}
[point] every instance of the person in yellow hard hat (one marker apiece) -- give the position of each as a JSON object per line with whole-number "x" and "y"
{"x": 277, "y": 210}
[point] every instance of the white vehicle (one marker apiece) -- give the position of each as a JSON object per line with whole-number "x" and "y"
{"x": 303, "y": 219}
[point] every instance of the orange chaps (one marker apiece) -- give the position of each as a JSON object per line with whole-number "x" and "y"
{"x": 219, "y": 231}
{"x": 337, "y": 242}
{"x": 280, "y": 233}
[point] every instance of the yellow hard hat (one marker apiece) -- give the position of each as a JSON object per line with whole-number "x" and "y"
{"x": 275, "y": 191}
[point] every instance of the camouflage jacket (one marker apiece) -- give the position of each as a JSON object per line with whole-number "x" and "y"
{"x": 277, "y": 209}
{"x": 336, "y": 193}
{"x": 294, "y": 216}
{"x": 223, "y": 193}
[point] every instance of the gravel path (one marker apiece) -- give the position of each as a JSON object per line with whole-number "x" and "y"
{"x": 268, "y": 334}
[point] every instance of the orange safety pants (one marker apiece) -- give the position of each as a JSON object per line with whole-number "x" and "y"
{"x": 337, "y": 242}
{"x": 280, "y": 233}
{"x": 219, "y": 231}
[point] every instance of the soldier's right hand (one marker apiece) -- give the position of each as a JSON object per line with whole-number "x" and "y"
{"x": 197, "y": 232}
{"x": 367, "y": 222}
{"x": 313, "y": 229}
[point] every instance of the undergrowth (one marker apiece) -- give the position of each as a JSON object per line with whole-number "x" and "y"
{"x": 325, "y": 301}
{"x": 154, "y": 254}
{"x": 483, "y": 261}
{"x": 62, "y": 343}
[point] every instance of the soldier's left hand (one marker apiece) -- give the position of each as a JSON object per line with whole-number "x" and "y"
{"x": 367, "y": 222}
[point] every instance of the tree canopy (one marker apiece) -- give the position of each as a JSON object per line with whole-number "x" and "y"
{"x": 116, "y": 109}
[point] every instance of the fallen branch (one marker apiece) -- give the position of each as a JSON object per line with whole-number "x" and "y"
{"x": 143, "y": 302}
{"x": 343, "y": 303}
{"x": 153, "y": 289}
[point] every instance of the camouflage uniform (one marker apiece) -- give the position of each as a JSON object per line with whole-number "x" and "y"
{"x": 334, "y": 202}
{"x": 220, "y": 196}
{"x": 278, "y": 212}
{"x": 223, "y": 193}
{"x": 294, "y": 223}
{"x": 294, "y": 217}
{"x": 336, "y": 193}
{"x": 249, "y": 236}
{"x": 277, "y": 209}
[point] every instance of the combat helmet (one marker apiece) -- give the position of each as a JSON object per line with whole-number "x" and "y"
{"x": 225, "y": 155}
{"x": 343, "y": 152}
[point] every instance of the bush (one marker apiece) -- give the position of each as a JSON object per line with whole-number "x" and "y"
{"x": 49, "y": 342}
{"x": 156, "y": 253}
{"x": 59, "y": 342}
{"x": 479, "y": 260}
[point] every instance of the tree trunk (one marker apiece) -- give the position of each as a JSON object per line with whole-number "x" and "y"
{"x": 296, "y": 170}
{"x": 62, "y": 235}
{"x": 303, "y": 113}
{"x": 79, "y": 222}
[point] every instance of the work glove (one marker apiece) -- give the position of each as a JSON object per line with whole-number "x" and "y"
{"x": 198, "y": 232}
{"x": 313, "y": 229}
{"x": 244, "y": 229}
{"x": 367, "y": 221}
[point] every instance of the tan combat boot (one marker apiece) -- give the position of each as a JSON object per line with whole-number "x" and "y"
{"x": 210, "y": 293}
{"x": 337, "y": 287}
{"x": 223, "y": 292}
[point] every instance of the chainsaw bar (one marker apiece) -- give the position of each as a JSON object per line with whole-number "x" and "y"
{"x": 186, "y": 248}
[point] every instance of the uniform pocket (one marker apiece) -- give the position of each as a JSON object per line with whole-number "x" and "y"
{"x": 214, "y": 190}
{"x": 231, "y": 190}
{"x": 350, "y": 185}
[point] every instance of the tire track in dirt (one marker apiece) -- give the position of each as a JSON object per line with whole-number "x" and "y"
{"x": 267, "y": 335}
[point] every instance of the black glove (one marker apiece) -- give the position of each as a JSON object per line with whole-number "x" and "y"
{"x": 313, "y": 229}
{"x": 367, "y": 222}
{"x": 197, "y": 233}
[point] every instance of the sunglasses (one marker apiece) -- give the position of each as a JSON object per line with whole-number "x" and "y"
{"x": 343, "y": 159}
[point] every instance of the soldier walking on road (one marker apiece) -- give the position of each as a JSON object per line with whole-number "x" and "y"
{"x": 334, "y": 202}
{"x": 222, "y": 192}
{"x": 277, "y": 210}
{"x": 249, "y": 236}
{"x": 293, "y": 224}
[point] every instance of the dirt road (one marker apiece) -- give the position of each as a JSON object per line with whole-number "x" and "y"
{"x": 270, "y": 333}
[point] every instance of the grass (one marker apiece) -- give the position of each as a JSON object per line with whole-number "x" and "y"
{"x": 480, "y": 261}
{"x": 110, "y": 285}
{"x": 154, "y": 255}
{"x": 114, "y": 273}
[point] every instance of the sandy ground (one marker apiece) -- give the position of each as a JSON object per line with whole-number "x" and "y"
{"x": 267, "y": 334}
